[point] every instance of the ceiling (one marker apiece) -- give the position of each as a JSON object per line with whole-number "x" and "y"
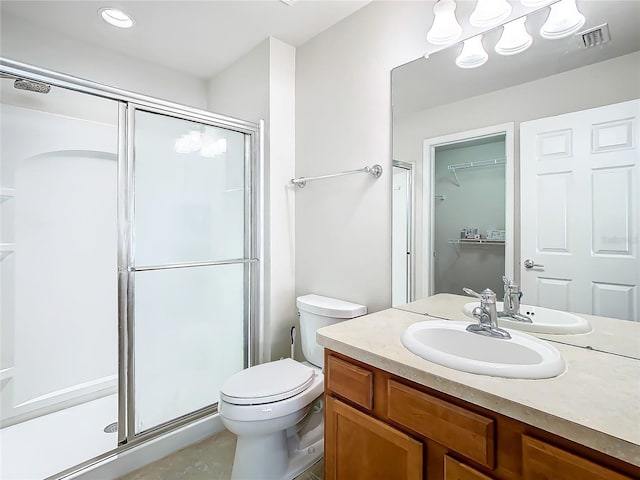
{"x": 197, "y": 37}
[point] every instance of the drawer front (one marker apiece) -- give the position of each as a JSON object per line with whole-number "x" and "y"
{"x": 541, "y": 461}
{"x": 454, "y": 470}
{"x": 465, "y": 432}
{"x": 349, "y": 381}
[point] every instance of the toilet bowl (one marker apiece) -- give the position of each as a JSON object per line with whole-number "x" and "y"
{"x": 275, "y": 409}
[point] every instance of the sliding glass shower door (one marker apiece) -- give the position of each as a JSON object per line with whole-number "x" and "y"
{"x": 189, "y": 264}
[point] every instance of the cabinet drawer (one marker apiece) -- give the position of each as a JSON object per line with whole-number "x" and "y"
{"x": 541, "y": 461}
{"x": 465, "y": 432}
{"x": 349, "y": 381}
{"x": 454, "y": 470}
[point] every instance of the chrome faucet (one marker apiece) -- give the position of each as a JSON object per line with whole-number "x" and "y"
{"x": 512, "y": 296}
{"x": 487, "y": 315}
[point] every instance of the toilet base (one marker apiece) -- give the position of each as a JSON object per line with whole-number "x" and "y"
{"x": 281, "y": 455}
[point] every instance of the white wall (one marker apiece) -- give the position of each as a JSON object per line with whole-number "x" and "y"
{"x": 34, "y": 45}
{"x": 343, "y": 122}
{"x": 261, "y": 85}
{"x": 55, "y": 328}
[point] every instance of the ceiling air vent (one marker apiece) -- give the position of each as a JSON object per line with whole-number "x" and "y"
{"x": 594, "y": 36}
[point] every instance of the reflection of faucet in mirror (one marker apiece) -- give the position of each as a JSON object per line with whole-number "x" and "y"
{"x": 511, "y": 303}
{"x": 487, "y": 315}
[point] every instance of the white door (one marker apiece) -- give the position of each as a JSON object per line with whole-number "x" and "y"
{"x": 580, "y": 199}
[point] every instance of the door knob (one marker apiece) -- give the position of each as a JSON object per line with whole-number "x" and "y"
{"x": 528, "y": 263}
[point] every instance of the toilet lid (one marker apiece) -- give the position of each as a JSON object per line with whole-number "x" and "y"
{"x": 267, "y": 383}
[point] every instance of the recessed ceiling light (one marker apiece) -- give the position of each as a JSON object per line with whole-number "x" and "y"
{"x": 116, "y": 17}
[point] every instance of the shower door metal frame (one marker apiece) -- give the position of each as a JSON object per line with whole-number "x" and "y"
{"x": 128, "y": 268}
{"x": 128, "y": 102}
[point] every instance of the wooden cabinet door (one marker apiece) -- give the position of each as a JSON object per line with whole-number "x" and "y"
{"x": 359, "y": 447}
{"x": 542, "y": 461}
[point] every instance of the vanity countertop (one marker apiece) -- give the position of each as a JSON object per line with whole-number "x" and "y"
{"x": 596, "y": 402}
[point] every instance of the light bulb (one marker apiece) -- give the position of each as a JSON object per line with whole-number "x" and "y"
{"x": 445, "y": 28}
{"x": 515, "y": 38}
{"x": 564, "y": 19}
{"x": 473, "y": 54}
{"x": 489, "y": 13}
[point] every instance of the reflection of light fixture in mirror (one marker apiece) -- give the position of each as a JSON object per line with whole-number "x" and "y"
{"x": 116, "y": 17}
{"x": 445, "y": 28}
{"x": 515, "y": 38}
{"x": 473, "y": 54}
{"x": 563, "y": 20}
{"x": 489, "y": 13}
{"x": 206, "y": 144}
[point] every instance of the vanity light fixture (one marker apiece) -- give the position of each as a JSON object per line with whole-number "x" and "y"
{"x": 490, "y": 13}
{"x": 116, "y": 17}
{"x": 564, "y": 19}
{"x": 445, "y": 28}
{"x": 515, "y": 38}
{"x": 473, "y": 54}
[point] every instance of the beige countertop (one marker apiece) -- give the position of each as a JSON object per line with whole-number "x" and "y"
{"x": 595, "y": 402}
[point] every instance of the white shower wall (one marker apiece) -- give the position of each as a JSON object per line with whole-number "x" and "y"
{"x": 59, "y": 287}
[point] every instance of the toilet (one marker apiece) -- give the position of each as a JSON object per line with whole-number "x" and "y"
{"x": 275, "y": 409}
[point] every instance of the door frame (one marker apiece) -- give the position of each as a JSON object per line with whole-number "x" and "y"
{"x": 428, "y": 196}
{"x": 410, "y": 257}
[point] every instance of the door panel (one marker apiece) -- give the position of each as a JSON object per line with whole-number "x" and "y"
{"x": 580, "y": 200}
{"x": 189, "y": 274}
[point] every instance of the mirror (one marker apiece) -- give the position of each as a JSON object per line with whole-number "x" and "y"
{"x": 553, "y": 80}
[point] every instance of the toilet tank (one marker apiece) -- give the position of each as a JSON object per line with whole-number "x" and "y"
{"x": 317, "y": 312}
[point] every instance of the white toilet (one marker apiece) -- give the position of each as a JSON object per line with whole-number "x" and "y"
{"x": 275, "y": 409}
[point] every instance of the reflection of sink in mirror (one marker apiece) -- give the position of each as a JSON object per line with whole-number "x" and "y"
{"x": 543, "y": 320}
{"x": 448, "y": 343}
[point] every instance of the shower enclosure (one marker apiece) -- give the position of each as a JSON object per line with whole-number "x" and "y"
{"x": 130, "y": 274}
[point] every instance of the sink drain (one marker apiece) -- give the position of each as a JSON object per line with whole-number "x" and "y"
{"x": 111, "y": 428}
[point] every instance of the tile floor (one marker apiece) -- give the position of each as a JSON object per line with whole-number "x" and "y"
{"x": 210, "y": 459}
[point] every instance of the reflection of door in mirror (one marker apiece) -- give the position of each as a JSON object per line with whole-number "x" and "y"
{"x": 579, "y": 200}
{"x": 466, "y": 211}
{"x": 402, "y": 268}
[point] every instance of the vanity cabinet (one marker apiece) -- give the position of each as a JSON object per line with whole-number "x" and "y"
{"x": 381, "y": 426}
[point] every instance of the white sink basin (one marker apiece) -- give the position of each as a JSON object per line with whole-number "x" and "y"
{"x": 545, "y": 320}
{"x": 448, "y": 343}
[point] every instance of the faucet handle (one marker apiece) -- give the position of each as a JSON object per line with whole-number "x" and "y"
{"x": 487, "y": 295}
{"x": 468, "y": 291}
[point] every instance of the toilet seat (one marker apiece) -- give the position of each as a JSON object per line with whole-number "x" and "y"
{"x": 267, "y": 383}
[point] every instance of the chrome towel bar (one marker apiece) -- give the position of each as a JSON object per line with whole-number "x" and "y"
{"x": 375, "y": 170}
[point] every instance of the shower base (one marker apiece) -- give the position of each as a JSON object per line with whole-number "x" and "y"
{"x": 46, "y": 445}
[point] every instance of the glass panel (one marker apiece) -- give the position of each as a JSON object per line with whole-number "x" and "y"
{"x": 189, "y": 337}
{"x": 189, "y": 191}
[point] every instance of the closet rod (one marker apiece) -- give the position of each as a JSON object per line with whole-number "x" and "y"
{"x": 375, "y": 170}
{"x": 480, "y": 163}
